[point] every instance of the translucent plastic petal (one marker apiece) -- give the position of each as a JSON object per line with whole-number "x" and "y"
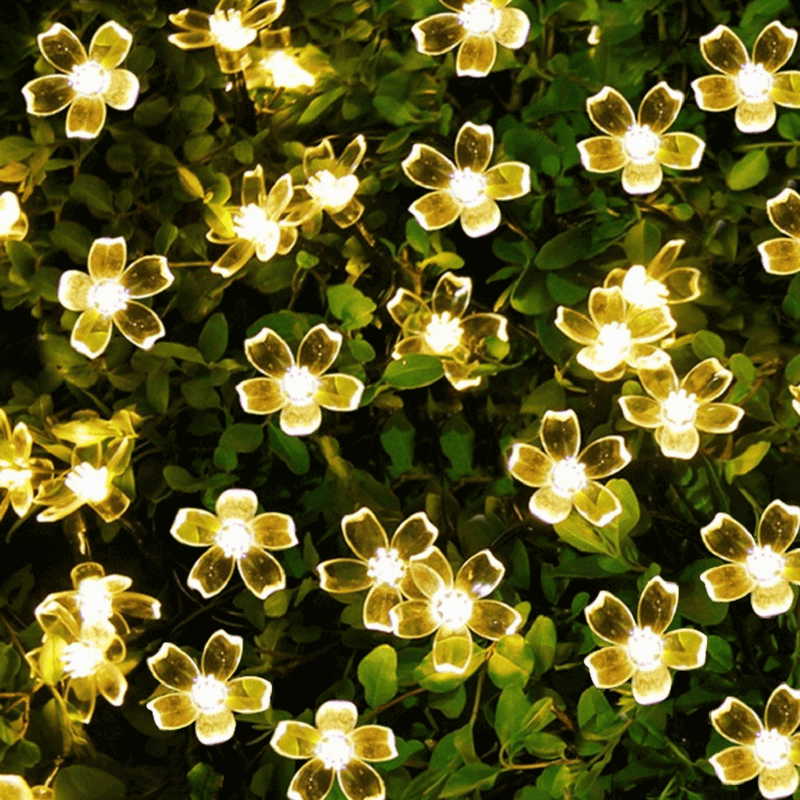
{"x": 604, "y": 457}
{"x": 782, "y": 711}
{"x": 597, "y": 504}
{"x": 786, "y": 89}
{"x": 234, "y": 258}
{"x": 268, "y": 353}
{"x": 660, "y": 107}
{"x": 727, "y": 582}
{"x": 774, "y": 46}
{"x": 755, "y": 117}
{"x": 657, "y": 604}
{"x": 111, "y": 683}
{"x": 139, "y": 324}
{"x": 735, "y": 765}
{"x": 414, "y": 535}
{"x": 340, "y": 575}
{"x": 602, "y": 153}
{"x": 221, "y": 655}
{"x": 684, "y": 649}
{"x": 451, "y": 294}
{"x": 194, "y": 526}
{"x": 248, "y": 695}
{"x": 173, "y": 668}
{"x": 351, "y": 156}
{"x": 480, "y": 574}
{"x": 513, "y": 28}
{"x": 718, "y": 418}
{"x": 348, "y": 215}
{"x": 86, "y": 117}
{"x": 373, "y": 743}
{"x": 413, "y": 619}
{"x": 735, "y": 721}
{"x": 707, "y": 380}
{"x": 784, "y": 212}
{"x": 651, "y": 324}
{"x": 560, "y": 434}
{"x": 609, "y": 618}
{"x": 778, "y": 781}
{"x": 606, "y": 306}
{"x": 727, "y": 538}
{"x": 476, "y": 56}
{"x": 380, "y": 600}
{"x": 493, "y": 619}
{"x": 359, "y": 781}
{"x": 336, "y": 715}
{"x": 319, "y": 349}
{"x": 61, "y": 47}
{"x": 641, "y": 178}
{"x": 610, "y": 112}
{"x": 73, "y": 290}
{"x": 452, "y": 650}
{"x": 239, "y": 504}
{"x": 480, "y": 219}
{"x": 173, "y": 711}
{"x": 438, "y": 34}
{"x": 295, "y": 739}
{"x": 640, "y": 410}
{"x": 435, "y": 210}
{"x": 263, "y": 14}
{"x": 549, "y": 506}
{"x": 147, "y": 276}
{"x": 339, "y": 392}
{"x": 274, "y": 531}
{"x": 107, "y": 257}
{"x": 110, "y": 45}
{"x": 680, "y": 150}
{"x": 716, "y": 92}
{"x": 529, "y": 464}
{"x": 363, "y": 533}
{"x": 780, "y": 256}
{"x": 474, "y": 147}
{"x": 260, "y": 395}
{"x": 724, "y": 50}
{"x": 508, "y": 180}
{"x": 48, "y": 95}
{"x": 261, "y": 573}
{"x": 313, "y": 781}
{"x": 778, "y": 525}
{"x": 15, "y": 787}
{"x": 215, "y": 728}
{"x": 677, "y": 442}
{"x": 769, "y": 601}
{"x": 651, "y": 686}
{"x": 576, "y": 326}
{"x": 211, "y": 572}
{"x": 609, "y": 667}
{"x": 91, "y": 334}
{"x": 191, "y": 40}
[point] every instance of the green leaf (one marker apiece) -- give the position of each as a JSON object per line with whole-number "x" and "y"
{"x": 242, "y": 437}
{"x": 542, "y": 639}
{"x": 596, "y": 718}
{"x": 181, "y": 480}
{"x": 706, "y": 344}
{"x": 397, "y": 439}
{"x": 87, "y": 783}
{"x": 565, "y": 249}
{"x": 73, "y": 238}
{"x": 377, "y": 673}
{"x": 318, "y": 106}
{"x": 470, "y": 777}
{"x": 719, "y": 656}
{"x": 350, "y": 305}
{"x": 213, "y": 341}
{"x": 94, "y": 193}
{"x": 456, "y": 442}
{"x": 152, "y": 111}
{"x": 15, "y": 148}
{"x": 530, "y": 294}
{"x": 289, "y": 449}
{"x": 157, "y": 390}
{"x": 512, "y": 662}
{"x": 196, "y": 112}
{"x": 749, "y": 171}
{"x": 411, "y": 372}
{"x": 694, "y": 602}
{"x": 746, "y": 461}
{"x": 165, "y": 237}
{"x": 204, "y": 782}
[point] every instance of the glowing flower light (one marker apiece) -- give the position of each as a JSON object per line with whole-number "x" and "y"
{"x": 257, "y": 226}
{"x": 335, "y": 749}
{"x": 659, "y": 283}
{"x": 639, "y": 146}
{"x": 752, "y": 86}
{"x": 280, "y": 68}
{"x": 467, "y": 189}
{"x": 452, "y": 608}
{"x": 782, "y": 256}
{"x": 297, "y": 389}
{"x": 89, "y": 83}
{"x": 767, "y": 751}
{"x": 382, "y": 566}
{"x": 207, "y": 696}
{"x": 442, "y": 328}
{"x": 476, "y": 28}
{"x": 795, "y": 392}
{"x": 641, "y": 651}
{"x": 229, "y": 30}
{"x": 235, "y": 536}
{"x": 108, "y": 294}
{"x": 761, "y": 568}
{"x": 678, "y": 410}
{"x": 615, "y": 336}
{"x": 566, "y": 477}
{"x": 15, "y": 787}
{"x": 13, "y": 220}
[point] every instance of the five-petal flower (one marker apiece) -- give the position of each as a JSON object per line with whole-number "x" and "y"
{"x": 677, "y": 411}
{"x": 206, "y": 696}
{"x": 442, "y": 329}
{"x": 640, "y": 146}
{"x": 297, "y": 389}
{"x": 13, "y": 220}
{"x": 467, "y": 189}
{"x": 235, "y": 536}
{"x": 90, "y": 81}
{"x": 762, "y": 569}
{"x": 769, "y": 751}
{"x": 335, "y": 748}
{"x": 752, "y": 86}
{"x": 566, "y": 477}
{"x": 452, "y": 608}
{"x": 782, "y": 256}
{"x": 109, "y": 294}
{"x": 641, "y": 651}
{"x": 476, "y": 27}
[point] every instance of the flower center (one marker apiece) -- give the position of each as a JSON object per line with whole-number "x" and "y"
{"x": 81, "y": 659}
{"x": 614, "y": 340}
{"x": 12, "y": 477}
{"x": 639, "y": 290}
{"x": 645, "y": 647}
{"x": 772, "y": 748}
{"x": 209, "y": 694}
{"x": 568, "y": 476}
{"x": 89, "y": 79}
{"x": 386, "y": 566}
{"x": 331, "y": 192}
{"x": 251, "y": 223}
{"x": 88, "y": 483}
{"x": 299, "y": 385}
{"x": 286, "y": 72}
{"x": 108, "y": 297}
{"x": 754, "y": 82}
{"x": 468, "y": 187}
{"x": 235, "y": 538}
{"x": 680, "y": 409}
{"x": 452, "y": 607}
{"x": 228, "y": 31}
{"x": 641, "y": 143}
{"x": 94, "y": 601}
{"x": 479, "y": 17}
{"x": 334, "y": 750}
{"x": 443, "y": 333}
{"x": 764, "y": 565}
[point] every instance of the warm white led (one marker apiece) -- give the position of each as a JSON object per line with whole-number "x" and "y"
{"x": 334, "y": 750}
{"x": 228, "y": 31}
{"x": 468, "y": 187}
{"x": 641, "y": 144}
{"x": 90, "y": 484}
{"x": 479, "y": 17}
{"x": 108, "y": 297}
{"x": 679, "y": 410}
{"x": 331, "y": 192}
{"x": 209, "y": 694}
{"x": 235, "y": 538}
{"x": 645, "y": 647}
{"x": 386, "y": 566}
{"x": 568, "y": 476}
{"x": 613, "y": 340}
{"x": 299, "y": 385}
{"x": 443, "y": 333}
{"x": 772, "y": 748}
{"x": 286, "y": 72}
{"x": 250, "y": 222}
{"x": 10, "y": 212}
{"x": 754, "y": 82}
{"x": 640, "y": 290}
{"x": 95, "y": 602}
{"x": 81, "y": 659}
{"x": 452, "y": 607}
{"x": 11, "y": 477}
{"x": 594, "y": 35}
{"x": 764, "y": 565}
{"x": 89, "y": 79}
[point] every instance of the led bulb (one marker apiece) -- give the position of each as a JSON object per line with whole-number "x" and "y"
{"x": 94, "y": 601}
{"x": 640, "y": 290}
{"x": 443, "y": 333}
{"x": 679, "y": 410}
{"x": 299, "y": 385}
{"x": 452, "y": 607}
{"x": 568, "y": 477}
{"x": 479, "y": 17}
{"x": 11, "y": 477}
{"x": 331, "y": 192}
{"x": 209, "y": 694}
{"x": 754, "y": 82}
{"x": 386, "y": 566}
{"x": 90, "y": 484}
{"x": 468, "y": 187}
{"x": 235, "y": 538}
{"x": 108, "y": 297}
{"x": 250, "y": 222}
{"x": 286, "y": 72}
{"x": 772, "y": 748}
{"x": 764, "y": 565}
{"x": 641, "y": 144}
{"x": 645, "y": 647}
{"x": 81, "y": 659}
{"x": 228, "y": 32}
{"x": 613, "y": 341}
{"x": 89, "y": 79}
{"x": 334, "y": 750}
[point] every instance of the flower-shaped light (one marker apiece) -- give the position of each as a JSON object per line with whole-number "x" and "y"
{"x": 257, "y": 227}
{"x": 442, "y": 329}
{"x": 566, "y": 477}
{"x": 330, "y": 184}
{"x": 297, "y": 389}
{"x": 206, "y": 696}
{"x": 382, "y": 566}
{"x": 235, "y": 536}
{"x": 795, "y": 392}
{"x": 782, "y": 256}
{"x": 762, "y": 569}
{"x": 453, "y": 608}
{"x": 279, "y": 65}
{"x": 642, "y": 652}
{"x": 476, "y": 27}
{"x": 639, "y": 146}
{"x": 230, "y": 30}
{"x": 335, "y": 748}
{"x": 678, "y": 410}
{"x": 658, "y": 284}
{"x": 13, "y": 220}
{"x": 615, "y": 336}
{"x": 90, "y": 81}
{"x": 15, "y": 787}
{"x": 752, "y": 86}
{"x": 467, "y": 189}
{"x": 108, "y": 294}
{"x": 19, "y": 473}
{"x": 769, "y": 751}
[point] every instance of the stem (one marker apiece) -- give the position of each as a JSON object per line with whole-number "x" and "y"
{"x": 380, "y": 709}
{"x": 176, "y": 264}
{"x": 541, "y": 764}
